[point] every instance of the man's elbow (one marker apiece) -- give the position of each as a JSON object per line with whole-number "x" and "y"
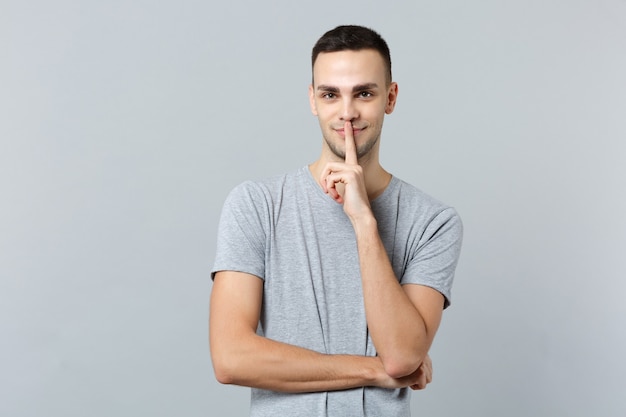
{"x": 401, "y": 367}
{"x": 224, "y": 370}
{"x": 222, "y": 375}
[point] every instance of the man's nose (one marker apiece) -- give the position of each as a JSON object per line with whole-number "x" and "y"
{"x": 349, "y": 110}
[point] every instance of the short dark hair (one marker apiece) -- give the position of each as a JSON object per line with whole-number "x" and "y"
{"x": 352, "y": 38}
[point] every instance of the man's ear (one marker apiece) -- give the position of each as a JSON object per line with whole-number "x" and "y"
{"x": 392, "y": 97}
{"x": 312, "y": 100}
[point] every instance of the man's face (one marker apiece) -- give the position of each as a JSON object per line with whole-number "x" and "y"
{"x": 351, "y": 86}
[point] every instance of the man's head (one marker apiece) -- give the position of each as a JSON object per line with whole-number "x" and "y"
{"x": 352, "y": 38}
{"x": 351, "y": 83}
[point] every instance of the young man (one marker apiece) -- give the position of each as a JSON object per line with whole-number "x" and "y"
{"x": 330, "y": 281}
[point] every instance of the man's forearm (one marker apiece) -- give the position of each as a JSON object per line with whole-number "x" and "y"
{"x": 397, "y": 328}
{"x": 263, "y": 363}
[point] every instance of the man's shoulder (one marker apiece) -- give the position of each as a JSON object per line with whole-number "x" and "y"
{"x": 413, "y": 195}
{"x": 415, "y": 206}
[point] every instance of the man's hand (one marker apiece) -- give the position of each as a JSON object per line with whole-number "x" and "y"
{"x": 349, "y": 175}
{"x": 425, "y": 374}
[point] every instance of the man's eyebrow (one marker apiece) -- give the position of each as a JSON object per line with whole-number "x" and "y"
{"x": 328, "y": 88}
{"x": 355, "y": 89}
{"x": 363, "y": 87}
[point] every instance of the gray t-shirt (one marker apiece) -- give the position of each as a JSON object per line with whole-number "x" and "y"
{"x": 289, "y": 233}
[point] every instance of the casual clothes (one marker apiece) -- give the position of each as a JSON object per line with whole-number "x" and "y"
{"x": 289, "y": 233}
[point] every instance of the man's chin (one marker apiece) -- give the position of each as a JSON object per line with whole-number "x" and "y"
{"x": 340, "y": 152}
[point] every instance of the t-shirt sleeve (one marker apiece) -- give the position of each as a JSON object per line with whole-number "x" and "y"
{"x": 435, "y": 259}
{"x": 242, "y": 233}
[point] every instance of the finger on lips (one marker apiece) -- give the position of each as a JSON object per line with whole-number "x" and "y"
{"x": 350, "y": 144}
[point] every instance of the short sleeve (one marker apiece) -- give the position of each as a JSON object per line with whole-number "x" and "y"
{"x": 241, "y": 237}
{"x": 435, "y": 258}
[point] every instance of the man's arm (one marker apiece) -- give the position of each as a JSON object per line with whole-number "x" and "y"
{"x": 242, "y": 357}
{"x": 402, "y": 321}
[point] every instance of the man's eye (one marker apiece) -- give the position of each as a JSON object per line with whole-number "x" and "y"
{"x": 365, "y": 94}
{"x": 329, "y": 95}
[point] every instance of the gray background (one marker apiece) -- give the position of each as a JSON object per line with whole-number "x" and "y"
{"x": 124, "y": 124}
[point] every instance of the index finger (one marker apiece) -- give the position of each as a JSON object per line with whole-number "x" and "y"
{"x": 351, "y": 158}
